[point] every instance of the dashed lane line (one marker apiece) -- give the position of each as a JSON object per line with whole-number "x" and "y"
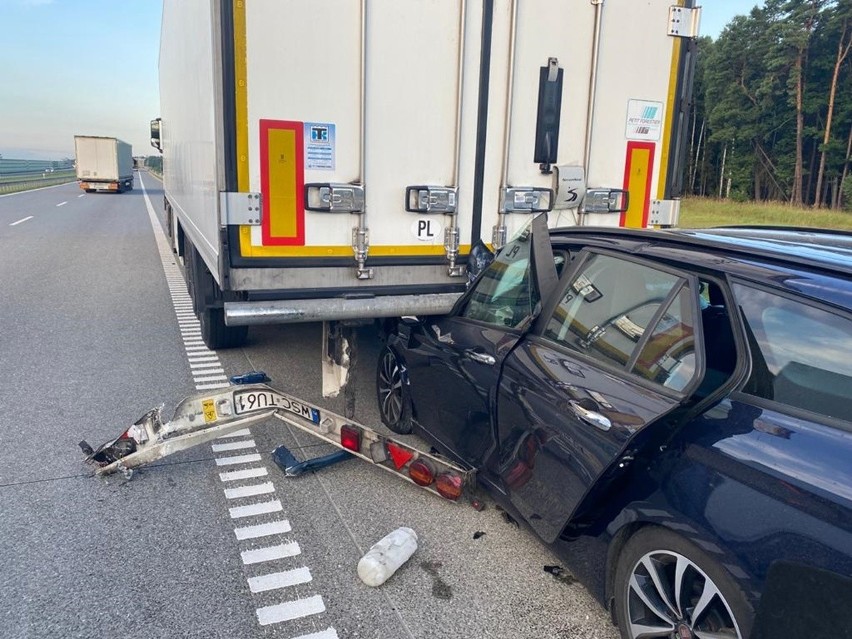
{"x": 22, "y": 220}
{"x": 62, "y": 203}
{"x": 208, "y": 374}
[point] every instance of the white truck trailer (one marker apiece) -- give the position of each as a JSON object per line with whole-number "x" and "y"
{"x": 103, "y": 164}
{"x": 338, "y": 160}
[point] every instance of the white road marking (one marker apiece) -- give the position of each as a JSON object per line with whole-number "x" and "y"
{"x": 210, "y": 378}
{"x": 328, "y": 633}
{"x": 277, "y": 580}
{"x": 218, "y": 448}
{"x": 210, "y": 386}
{"x": 290, "y": 610}
{"x": 202, "y": 359}
{"x": 208, "y": 366}
{"x": 29, "y": 217}
{"x": 248, "y": 473}
{"x": 82, "y": 195}
{"x": 270, "y": 553}
{"x": 238, "y": 459}
{"x": 243, "y": 432}
{"x": 62, "y": 203}
{"x": 263, "y": 508}
{"x": 249, "y": 491}
{"x": 263, "y": 530}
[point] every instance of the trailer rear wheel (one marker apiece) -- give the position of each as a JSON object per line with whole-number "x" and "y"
{"x": 207, "y": 303}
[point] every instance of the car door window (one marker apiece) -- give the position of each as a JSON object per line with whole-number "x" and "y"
{"x": 505, "y": 295}
{"x": 800, "y": 353}
{"x": 609, "y": 305}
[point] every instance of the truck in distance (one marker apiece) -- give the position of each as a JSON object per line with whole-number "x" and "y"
{"x": 103, "y": 164}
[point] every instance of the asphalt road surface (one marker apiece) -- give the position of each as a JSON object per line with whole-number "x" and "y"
{"x": 215, "y": 541}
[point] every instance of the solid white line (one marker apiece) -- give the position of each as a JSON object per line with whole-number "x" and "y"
{"x": 29, "y": 217}
{"x": 248, "y": 473}
{"x": 263, "y": 508}
{"x": 210, "y": 386}
{"x": 328, "y": 633}
{"x": 270, "y": 553}
{"x": 263, "y": 530}
{"x": 237, "y": 459}
{"x": 219, "y": 448}
{"x": 290, "y": 610}
{"x": 62, "y": 203}
{"x": 277, "y": 580}
{"x": 249, "y": 491}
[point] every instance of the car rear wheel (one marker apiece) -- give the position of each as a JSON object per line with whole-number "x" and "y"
{"x": 394, "y": 406}
{"x": 667, "y": 587}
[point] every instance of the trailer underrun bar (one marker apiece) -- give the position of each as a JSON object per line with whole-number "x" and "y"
{"x": 205, "y": 416}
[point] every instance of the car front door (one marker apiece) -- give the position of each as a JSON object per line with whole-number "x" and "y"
{"x": 454, "y": 361}
{"x": 615, "y": 350}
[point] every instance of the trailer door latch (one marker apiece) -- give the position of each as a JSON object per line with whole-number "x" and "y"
{"x": 526, "y": 199}
{"x": 430, "y": 199}
{"x": 334, "y": 198}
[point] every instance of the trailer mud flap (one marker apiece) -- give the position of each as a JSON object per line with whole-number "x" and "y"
{"x": 205, "y": 416}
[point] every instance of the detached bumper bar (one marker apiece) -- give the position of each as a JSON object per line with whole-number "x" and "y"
{"x": 336, "y": 308}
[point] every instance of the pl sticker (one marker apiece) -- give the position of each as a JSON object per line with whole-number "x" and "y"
{"x": 320, "y": 145}
{"x": 426, "y": 229}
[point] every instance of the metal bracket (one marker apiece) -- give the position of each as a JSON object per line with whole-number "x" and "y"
{"x": 664, "y": 213}
{"x": 334, "y": 198}
{"x": 361, "y": 246}
{"x": 526, "y": 199}
{"x": 684, "y": 22}
{"x": 240, "y": 208}
{"x": 430, "y": 199}
{"x": 451, "y": 246}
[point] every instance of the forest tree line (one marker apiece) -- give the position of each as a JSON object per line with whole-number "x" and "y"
{"x": 772, "y": 112}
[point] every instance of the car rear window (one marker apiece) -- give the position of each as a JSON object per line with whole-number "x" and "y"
{"x": 800, "y": 353}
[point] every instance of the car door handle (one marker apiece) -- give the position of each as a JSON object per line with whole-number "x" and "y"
{"x": 591, "y": 417}
{"x": 482, "y": 358}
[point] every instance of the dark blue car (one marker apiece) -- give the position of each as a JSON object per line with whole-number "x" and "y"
{"x": 671, "y": 410}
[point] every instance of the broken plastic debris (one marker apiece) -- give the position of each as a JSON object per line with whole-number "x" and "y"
{"x": 478, "y": 534}
{"x": 386, "y": 556}
{"x": 292, "y": 467}
{"x": 561, "y": 574}
{"x": 477, "y": 504}
{"x": 252, "y": 377}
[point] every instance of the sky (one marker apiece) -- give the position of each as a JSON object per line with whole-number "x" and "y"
{"x": 89, "y": 67}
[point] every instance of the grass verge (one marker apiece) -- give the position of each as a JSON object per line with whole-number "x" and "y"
{"x": 703, "y": 212}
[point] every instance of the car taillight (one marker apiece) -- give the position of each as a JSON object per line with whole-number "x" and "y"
{"x": 421, "y": 473}
{"x": 350, "y": 438}
{"x": 449, "y": 485}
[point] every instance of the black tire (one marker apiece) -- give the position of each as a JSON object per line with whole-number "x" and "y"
{"x": 391, "y": 394}
{"x": 216, "y": 334}
{"x": 202, "y": 289}
{"x": 727, "y": 613}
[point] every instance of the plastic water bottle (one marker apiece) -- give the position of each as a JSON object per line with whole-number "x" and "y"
{"x": 386, "y": 556}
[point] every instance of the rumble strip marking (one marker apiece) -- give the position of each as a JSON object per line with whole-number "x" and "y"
{"x": 208, "y": 374}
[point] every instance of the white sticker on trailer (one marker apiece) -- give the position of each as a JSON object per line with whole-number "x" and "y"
{"x": 644, "y": 120}
{"x": 426, "y": 229}
{"x": 320, "y": 145}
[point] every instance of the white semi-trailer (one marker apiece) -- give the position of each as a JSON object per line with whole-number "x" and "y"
{"x": 103, "y": 164}
{"x": 338, "y": 159}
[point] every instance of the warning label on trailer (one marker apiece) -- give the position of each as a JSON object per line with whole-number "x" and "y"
{"x": 644, "y": 120}
{"x": 319, "y": 145}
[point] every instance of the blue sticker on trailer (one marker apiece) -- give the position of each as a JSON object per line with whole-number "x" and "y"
{"x": 320, "y": 145}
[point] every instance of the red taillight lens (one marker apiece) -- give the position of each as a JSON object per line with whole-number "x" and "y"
{"x": 399, "y": 455}
{"x": 449, "y": 485}
{"x": 350, "y": 438}
{"x": 421, "y": 473}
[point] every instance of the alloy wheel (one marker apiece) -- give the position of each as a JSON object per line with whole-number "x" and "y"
{"x": 670, "y": 596}
{"x": 390, "y": 389}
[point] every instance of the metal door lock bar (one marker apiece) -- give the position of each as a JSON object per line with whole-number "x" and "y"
{"x": 334, "y": 198}
{"x": 430, "y": 199}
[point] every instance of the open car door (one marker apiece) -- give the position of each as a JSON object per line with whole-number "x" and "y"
{"x": 454, "y": 362}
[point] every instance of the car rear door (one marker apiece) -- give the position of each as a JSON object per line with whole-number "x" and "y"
{"x": 615, "y": 350}
{"x": 454, "y": 362}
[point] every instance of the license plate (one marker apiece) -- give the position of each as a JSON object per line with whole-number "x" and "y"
{"x": 251, "y": 401}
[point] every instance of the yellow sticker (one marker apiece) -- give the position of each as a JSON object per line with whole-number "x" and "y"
{"x": 209, "y": 409}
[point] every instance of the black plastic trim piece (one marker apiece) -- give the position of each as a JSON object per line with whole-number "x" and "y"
{"x": 229, "y": 98}
{"x": 482, "y": 118}
{"x": 680, "y": 117}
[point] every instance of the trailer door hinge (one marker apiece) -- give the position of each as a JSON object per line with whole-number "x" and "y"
{"x": 684, "y": 22}
{"x": 664, "y": 213}
{"x": 241, "y": 208}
